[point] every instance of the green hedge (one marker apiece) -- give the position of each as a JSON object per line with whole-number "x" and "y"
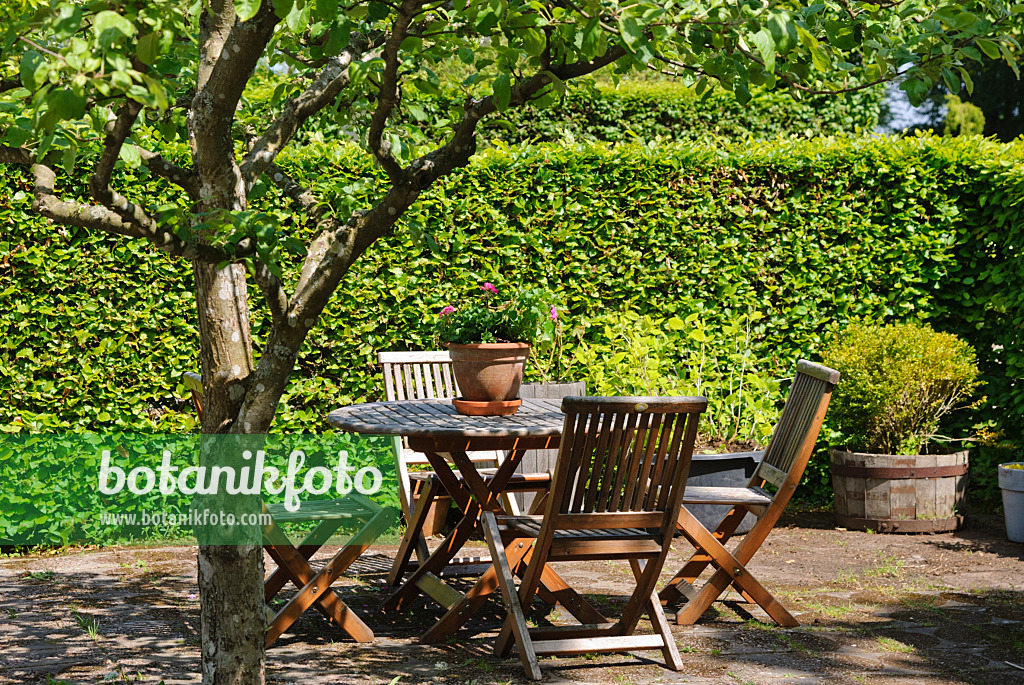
{"x": 806, "y": 234}
{"x": 635, "y": 109}
{"x": 665, "y": 109}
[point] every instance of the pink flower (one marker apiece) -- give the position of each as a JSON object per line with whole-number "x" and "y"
{"x": 447, "y": 310}
{"x": 489, "y": 287}
{"x": 554, "y": 313}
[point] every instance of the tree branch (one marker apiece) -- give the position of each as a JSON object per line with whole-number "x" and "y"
{"x": 117, "y": 131}
{"x": 167, "y": 170}
{"x": 15, "y": 155}
{"x": 387, "y": 94}
{"x": 302, "y": 195}
{"x": 273, "y": 290}
{"x": 229, "y": 53}
{"x": 337, "y": 246}
{"x": 323, "y": 91}
{"x": 104, "y": 219}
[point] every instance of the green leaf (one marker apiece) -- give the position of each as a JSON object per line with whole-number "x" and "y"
{"x": 964, "y": 20}
{"x": 533, "y": 41}
{"x": 952, "y": 82}
{"x": 820, "y": 58}
{"x": 968, "y": 81}
{"x": 989, "y": 48}
{"x": 502, "y": 92}
{"x": 66, "y": 103}
{"x": 377, "y": 11}
{"x": 1010, "y": 59}
{"x": 109, "y": 27}
{"x": 765, "y": 45}
{"x": 149, "y": 48}
{"x": 282, "y": 8}
{"x": 916, "y": 90}
{"x": 298, "y": 19}
{"x": 156, "y": 89}
{"x": 247, "y": 9}
{"x": 631, "y": 34}
{"x": 326, "y": 9}
{"x": 69, "y": 22}
{"x": 33, "y": 70}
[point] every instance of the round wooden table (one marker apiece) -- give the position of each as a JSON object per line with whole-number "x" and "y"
{"x": 443, "y": 435}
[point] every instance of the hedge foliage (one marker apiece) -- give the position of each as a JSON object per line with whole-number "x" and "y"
{"x": 635, "y": 109}
{"x": 666, "y": 109}
{"x": 790, "y": 238}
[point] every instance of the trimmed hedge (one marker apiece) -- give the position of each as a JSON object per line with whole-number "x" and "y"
{"x": 807, "y": 234}
{"x": 666, "y": 109}
{"x": 635, "y": 109}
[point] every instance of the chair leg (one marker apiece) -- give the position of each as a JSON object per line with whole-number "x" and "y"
{"x": 470, "y": 603}
{"x": 276, "y": 581}
{"x": 731, "y": 570}
{"x": 317, "y": 587}
{"x": 413, "y": 538}
{"x": 681, "y": 586}
{"x": 516, "y": 620}
{"x": 658, "y": 621}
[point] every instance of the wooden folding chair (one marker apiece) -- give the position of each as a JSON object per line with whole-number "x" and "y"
{"x": 314, "y": 587}
{"x": 419, "y": 375}
{"x": 617, "y": 488}
{"x": 783, "y": 465}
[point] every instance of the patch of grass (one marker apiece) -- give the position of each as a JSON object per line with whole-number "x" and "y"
{"x": 886, "y": 566}
{"x": 846, "y": 578}
{"x": 40, "y": 575}
{"x": 922, "y": 602}
{"x": 833, "y": 610}
{"x": 755, "y": 624}
{"x": 888, "y": 644}
{"x": 481, "y": 663}
{"x": 90, "y": 624}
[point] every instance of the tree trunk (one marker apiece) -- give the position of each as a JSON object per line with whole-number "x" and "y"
{"x": 230, "y": 576}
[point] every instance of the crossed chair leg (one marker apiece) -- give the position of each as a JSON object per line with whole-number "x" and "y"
{"x": 730, "y": 568}
{"x": 314, "y": 588}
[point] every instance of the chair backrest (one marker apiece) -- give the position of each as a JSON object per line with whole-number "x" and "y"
{"x": 418, "y": 375}
{"x": 793, "y": 439}
{"x": 421, "y": 375}
{"x": 623, "y": 461}
{"x": 194, "y": 382}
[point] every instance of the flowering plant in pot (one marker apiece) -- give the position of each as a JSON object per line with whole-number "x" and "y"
{"x": 890, "y": 470}
{"x": 489, "y": 339}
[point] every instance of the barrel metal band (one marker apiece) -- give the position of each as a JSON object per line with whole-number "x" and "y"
{"x": 899, "y": 472}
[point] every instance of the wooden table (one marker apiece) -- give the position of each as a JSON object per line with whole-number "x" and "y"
{"x": 436, "y": 429}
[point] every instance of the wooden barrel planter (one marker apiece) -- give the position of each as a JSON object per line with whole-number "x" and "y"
{"x": 899, "y": 494}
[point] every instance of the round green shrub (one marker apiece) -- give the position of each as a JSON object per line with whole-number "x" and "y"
{"x": 897, "y": 383}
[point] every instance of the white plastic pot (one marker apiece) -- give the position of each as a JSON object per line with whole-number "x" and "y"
{"x": 1011, "y": 481}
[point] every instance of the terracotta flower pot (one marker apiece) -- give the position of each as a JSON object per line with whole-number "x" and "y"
{"x": 489, "y": 372}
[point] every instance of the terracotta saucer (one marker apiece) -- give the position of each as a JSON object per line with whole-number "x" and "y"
{"x": 498, "y": 408}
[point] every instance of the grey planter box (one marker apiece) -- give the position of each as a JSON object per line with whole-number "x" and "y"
{"x": 541, "y": 461}
{"x": 722, "y": 470}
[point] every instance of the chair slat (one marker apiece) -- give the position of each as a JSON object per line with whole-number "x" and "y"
{"x": 621, "y": 472}
{"x": 602, "y": 462}
{"x": 636, "y": 457}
